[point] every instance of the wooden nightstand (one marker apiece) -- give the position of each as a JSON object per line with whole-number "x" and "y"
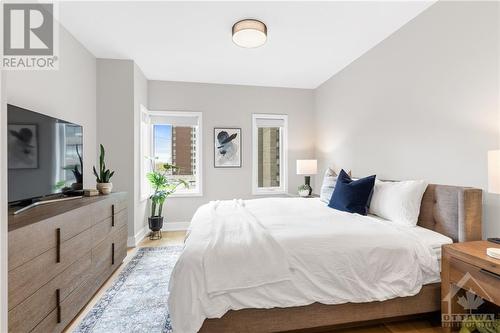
{"x": 466, "y": 267}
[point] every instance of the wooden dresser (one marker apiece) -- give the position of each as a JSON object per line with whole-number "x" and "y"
{"x": 59, "y": 256}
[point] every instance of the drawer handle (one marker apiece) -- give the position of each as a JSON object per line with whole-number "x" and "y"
{"x": 112, "y": 215}
{"x": 112, "y": 253}
{"x": 58, "y": 248}
{"x": 494, "y": 275}
{"x": 58, "y": 300}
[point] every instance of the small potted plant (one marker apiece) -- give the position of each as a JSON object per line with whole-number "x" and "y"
{"x": 163, "y": 186}
{"x": 103, "y": 177}
{"x": 304, "y": 190}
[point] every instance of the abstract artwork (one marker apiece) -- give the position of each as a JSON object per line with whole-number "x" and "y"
{"x": 227, "y": 147}
{"x": 23, "y": 146}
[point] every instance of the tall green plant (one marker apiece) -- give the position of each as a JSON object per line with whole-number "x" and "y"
{"x": 104, "y": 174}
{"x": 163, "y": 185}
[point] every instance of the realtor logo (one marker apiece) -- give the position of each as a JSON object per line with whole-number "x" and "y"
{"x": 469, "y": 302}
{"x": 29, "y": 36}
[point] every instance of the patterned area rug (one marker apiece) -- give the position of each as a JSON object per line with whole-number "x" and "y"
{"x": 137, "y": 300}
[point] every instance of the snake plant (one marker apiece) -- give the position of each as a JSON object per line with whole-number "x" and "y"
{"x": 104, "y": 174}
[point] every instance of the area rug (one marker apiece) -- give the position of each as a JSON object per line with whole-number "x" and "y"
{"x": 137, "y": 300}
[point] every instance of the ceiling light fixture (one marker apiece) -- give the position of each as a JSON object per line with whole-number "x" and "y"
{"x": 249, "y": 33}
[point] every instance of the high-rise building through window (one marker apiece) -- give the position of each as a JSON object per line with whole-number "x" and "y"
{"x": 184, "y": 150}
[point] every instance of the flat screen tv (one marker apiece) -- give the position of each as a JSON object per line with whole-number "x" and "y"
{"x": 45, "y": 157}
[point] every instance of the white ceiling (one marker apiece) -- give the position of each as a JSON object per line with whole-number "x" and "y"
{"x": 307, "y": 42}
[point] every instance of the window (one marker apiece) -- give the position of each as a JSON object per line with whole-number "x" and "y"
{"x": 174, "y": 137}
{"x": 145, "y": 135}
{"x": 68, "y": 156}
{"x": 269, "y": 153}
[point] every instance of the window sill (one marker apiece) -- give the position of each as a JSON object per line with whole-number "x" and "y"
{"x": 178, "y": 195}
{"x": 269, "y": 192}
{"x": 186, "y": 195}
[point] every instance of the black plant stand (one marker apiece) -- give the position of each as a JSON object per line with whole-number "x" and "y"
{"x": 155, "y": 235}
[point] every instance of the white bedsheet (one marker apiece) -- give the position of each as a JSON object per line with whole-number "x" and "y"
{"x": 433, "y": 240}
{"x": 334, "y": 257}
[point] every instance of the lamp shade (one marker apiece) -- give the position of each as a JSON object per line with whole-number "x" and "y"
{"x": 307, "y": 167}
{"x": 494, "y": 171}
{"x": 249, "y": 33}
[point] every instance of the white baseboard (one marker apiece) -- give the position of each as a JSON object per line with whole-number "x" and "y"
{"x": 175, "y": 226}
{"x": 133, "y": 241}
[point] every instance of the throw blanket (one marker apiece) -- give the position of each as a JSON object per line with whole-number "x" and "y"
{"x": 237, "y": 234}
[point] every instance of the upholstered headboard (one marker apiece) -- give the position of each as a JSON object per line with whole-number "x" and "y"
{"x": 452, "y": 211}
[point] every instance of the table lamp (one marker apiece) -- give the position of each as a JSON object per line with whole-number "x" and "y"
{"x": 307, "y": 168}
{"x": 494, "y": 187}
{"x": 494, "y": 171}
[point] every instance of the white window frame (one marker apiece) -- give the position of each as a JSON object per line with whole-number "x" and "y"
{"x": 283, "y": 188}
{"x": 145, "y": 188}
{"x": 199, "y": 149}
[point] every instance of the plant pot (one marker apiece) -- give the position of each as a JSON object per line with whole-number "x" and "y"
{"x": 155, "y": 223}
{"x": 104, "y": 188}
{"x": 304, "y": 193}
{"x": 304, "y": 190}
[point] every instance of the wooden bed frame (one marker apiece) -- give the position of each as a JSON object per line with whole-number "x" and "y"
{"x": 450, "y": 210}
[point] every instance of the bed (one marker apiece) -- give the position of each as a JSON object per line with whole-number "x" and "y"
{"x": 209, "y": 291}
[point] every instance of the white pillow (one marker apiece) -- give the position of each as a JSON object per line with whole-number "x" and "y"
{"x": 398, "y": 202}
{"x": 329, "y": 181}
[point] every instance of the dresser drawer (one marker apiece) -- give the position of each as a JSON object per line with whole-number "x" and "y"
{"x": 120, "y": 241}
{"x": 69, "y": 308}
{"x": 103, "y": 229}
{"x": 25, "y": 316}
{"x": 102, "y": 272}
{"x": 484, "y": 283}
{"x": 29, "y": 277}
{"x": 110, "y": 251}
{"x": 29, "y": 242}
{"x": 106, "y": 208}
{"x": 102, "y": 256}
{"x": 100, "y": 277}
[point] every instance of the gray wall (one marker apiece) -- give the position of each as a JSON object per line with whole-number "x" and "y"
{"x": 141, "y": 207}
{"x": 68, "y": 93}
{"x": 121, "y": 90}
{"x": 233, "y": 106}
{"x": 115, "y": 124}
{"x": 421, "y": 104}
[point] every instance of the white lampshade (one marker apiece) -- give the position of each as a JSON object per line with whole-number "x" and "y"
{"x": 494, "y": 171}
{"x": 249, "y": 33}
{"x": 307, "y": 167}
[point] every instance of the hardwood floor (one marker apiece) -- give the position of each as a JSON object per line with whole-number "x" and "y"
{"x": 423, "y": 325}
{"x": 410, "y": 326}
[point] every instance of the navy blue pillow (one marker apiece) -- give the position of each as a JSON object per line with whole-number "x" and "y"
{"x": 352, "y": 196}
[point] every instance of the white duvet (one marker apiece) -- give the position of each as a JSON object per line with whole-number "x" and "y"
{"x": 328, "y": 256}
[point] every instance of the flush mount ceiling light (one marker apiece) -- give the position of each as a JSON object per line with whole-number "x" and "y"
{"x": 249, "y": 33}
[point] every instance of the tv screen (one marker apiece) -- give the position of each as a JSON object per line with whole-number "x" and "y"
{"x": 45, "y": 156}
